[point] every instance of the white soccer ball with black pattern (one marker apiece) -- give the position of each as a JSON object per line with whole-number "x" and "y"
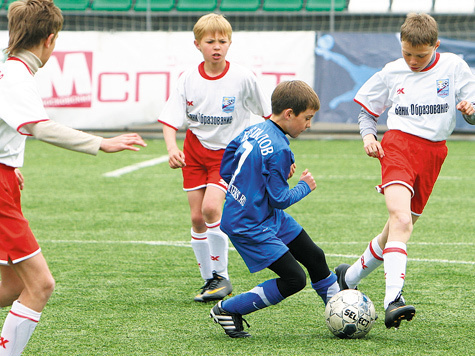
{"x": 350, "y": 314}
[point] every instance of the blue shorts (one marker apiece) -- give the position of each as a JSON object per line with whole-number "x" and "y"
{"x": 263, "y": 251}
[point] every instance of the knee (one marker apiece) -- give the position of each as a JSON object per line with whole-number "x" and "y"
{"x": 402, "y": 221}
{"x": 46, "y": 288}
{"x": 298, "y": 282}
{"x": 198, "y": 222}
{"x": 210, "y": 212}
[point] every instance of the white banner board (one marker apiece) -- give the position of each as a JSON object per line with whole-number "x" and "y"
{"x": 103, "y": 80}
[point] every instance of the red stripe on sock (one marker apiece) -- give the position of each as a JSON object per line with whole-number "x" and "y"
{"x": 24, "y": 317}
{"x": 213, "y": 226}
{"x": 394, "y": 249}
{"x": 198, "y": 238}
{"x": 374, "y": 253}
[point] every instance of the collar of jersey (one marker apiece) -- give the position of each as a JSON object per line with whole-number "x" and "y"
{"x": 201, "y": 69}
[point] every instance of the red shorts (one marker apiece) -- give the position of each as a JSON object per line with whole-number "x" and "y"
{"x": 202, "y": 165}
{"x": 413, "y": 162}
{"x": 17, "y": 242}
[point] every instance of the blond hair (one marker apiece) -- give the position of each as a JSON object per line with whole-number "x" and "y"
{"x": 420, "y": 30}
{"x": 30, "y": 22}
{"x": 212, "y": 23}
{"x": 296, "y": 95}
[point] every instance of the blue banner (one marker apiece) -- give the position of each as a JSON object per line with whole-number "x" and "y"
{"x": 344, "y": 61}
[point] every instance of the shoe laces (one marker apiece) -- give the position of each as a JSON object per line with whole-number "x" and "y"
{"x": 237, "y": 321}
{"x": 206, "y": 285}
{"x": 399, "y": 301}
{"x": 213, "y": 283}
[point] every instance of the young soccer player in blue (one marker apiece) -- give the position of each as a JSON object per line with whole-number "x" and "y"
{"x": 256, "y": 165}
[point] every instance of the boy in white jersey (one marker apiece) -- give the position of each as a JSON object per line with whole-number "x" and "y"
{"x": 215, "y": 99}
{"x": 26, "y": 281}
{"x": 423, "y": 90}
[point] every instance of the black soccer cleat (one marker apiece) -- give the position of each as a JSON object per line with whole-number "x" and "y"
{"x": 231, "y": 322}
{"x": 398, "y": 311}
{"x": 340, "y": 272}
{"x": 204, "y": 288}
{"x": 214, "y": 289}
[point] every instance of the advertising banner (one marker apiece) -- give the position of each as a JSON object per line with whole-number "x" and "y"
{"x": 103, "y": 80}
{"x": 344, "y": 61}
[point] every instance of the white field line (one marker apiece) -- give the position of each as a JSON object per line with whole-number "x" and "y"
{"x": 136, "y": 166}
{"x": 152, "y": 162}
{"x": 188, "y": 244}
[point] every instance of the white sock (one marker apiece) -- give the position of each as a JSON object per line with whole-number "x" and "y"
{"x": 371, "y": 259}
{"x": 218, "y": 248}
{"x": 395, "y": 259}
{"x": 18, "y": 327}
{"x": 199, "y": 243}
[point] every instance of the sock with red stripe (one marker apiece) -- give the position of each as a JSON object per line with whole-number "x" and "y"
{"x": 395, "y": 260}
{"x": 18, "y": 327}
{"x": 371, "y": 259}
{"x": 199, "y": 243}
{"x": 218, "y": 249}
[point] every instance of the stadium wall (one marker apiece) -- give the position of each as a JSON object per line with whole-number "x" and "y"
{"x": 115, "y": 69}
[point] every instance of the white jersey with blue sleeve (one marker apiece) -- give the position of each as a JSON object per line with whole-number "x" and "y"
{"x": 256, "y": 165}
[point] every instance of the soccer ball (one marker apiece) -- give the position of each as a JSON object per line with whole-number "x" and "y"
{"x": 350, "y": 314}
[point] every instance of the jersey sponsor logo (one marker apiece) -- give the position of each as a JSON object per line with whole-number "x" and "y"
{"x": 228, "y": 103}
{"x": 1, "y": 75}
{"x": 421, "y": 109}
{"x": 400, "y": 91}
{"x": 442, "y": 88}
{"x": 210, "y": 120}
{"x": 189, "y": 103}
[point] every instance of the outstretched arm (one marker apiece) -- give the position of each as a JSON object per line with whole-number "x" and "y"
{"x": 122, "y": 142}
{"x": 62, "y": 136}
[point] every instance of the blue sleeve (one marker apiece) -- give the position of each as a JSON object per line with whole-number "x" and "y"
{"x": 280, "y": 196}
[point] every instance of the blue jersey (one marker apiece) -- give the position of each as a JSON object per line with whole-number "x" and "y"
{"x": 256, "y": 165}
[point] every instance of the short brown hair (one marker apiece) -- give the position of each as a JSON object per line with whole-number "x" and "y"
{"x": 420, "y": 30}
{"x": 30, "y": 22}
{"x": 212, "y": 23}
{"x": 296, "y": 95}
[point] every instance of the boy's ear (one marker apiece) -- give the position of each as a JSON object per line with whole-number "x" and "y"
{"x": 49, "y": 40}
{"x": 197, "y": 45}
{"x": 288, "y": 113}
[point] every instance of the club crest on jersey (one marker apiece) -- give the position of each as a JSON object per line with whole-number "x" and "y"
{"x": 228, "y": 103}
{"x": 442, "y": 88}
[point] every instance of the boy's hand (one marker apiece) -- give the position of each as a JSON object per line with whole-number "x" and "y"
{"x": 466, "y": 108}
{"x": 122, "y": 142}
{"x": 19, "y": 177}
{"x": 372, "y": 147}
{"x": 292, "y": 170}
{"x": 308, "y": 178}
{"x": 176, "y": 158}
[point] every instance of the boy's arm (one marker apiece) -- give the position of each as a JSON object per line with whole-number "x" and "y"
{"x": 368, "y": 131}
{"x": 62, "y": 136}
{"x": 468, "y": 111}
{"x": 176, "y": 158}
{"x": 280, "y": 196}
